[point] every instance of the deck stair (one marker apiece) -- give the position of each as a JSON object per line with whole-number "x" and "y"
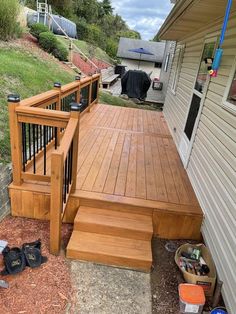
{"x": 112, "y": 237}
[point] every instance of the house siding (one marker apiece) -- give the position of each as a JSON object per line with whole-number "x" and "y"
{"x": 212, "y": 163}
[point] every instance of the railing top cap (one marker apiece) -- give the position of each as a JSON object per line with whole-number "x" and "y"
{"x": 13, "y": 98}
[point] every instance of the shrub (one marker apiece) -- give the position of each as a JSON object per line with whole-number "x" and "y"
{"x": 48, "y": 41}
{"x": 9, "y": 27}
{"x": 60, "y": 52}
{"x": 37, "y": 29}
{"x": 82, "y": 29}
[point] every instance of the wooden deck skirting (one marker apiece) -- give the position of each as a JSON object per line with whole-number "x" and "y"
{"x": 127, "y": 161}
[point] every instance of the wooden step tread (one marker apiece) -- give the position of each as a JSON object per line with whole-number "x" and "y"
{"x": 110, "y": 250}
{"x": 114, "y": 223}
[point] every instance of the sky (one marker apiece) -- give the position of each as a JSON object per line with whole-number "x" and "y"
{"x": 144, "y": 16}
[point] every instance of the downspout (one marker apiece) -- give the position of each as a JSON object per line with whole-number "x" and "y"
{"x": 219, "y": 51}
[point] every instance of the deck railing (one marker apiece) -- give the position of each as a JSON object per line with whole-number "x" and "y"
{"x": 44, "y": 132}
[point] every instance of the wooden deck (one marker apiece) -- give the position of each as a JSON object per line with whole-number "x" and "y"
{"x": 127, "y": 157}
{"x": 130, "y": 152}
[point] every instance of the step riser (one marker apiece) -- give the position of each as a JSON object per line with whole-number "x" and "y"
{"x": 114, "y": 231}
{"x": 109, "y": 260}
{"x": 116, "y": 206}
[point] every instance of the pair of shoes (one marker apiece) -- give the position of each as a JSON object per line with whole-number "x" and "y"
{"x": 16, "y": 259}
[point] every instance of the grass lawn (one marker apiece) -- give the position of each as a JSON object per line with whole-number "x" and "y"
{"x": 26, "y": 74}
{"x": 106, "y": 98}
{"x": 88, "y": 49}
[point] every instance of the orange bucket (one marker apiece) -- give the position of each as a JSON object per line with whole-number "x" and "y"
{"x": 192, "y": 298}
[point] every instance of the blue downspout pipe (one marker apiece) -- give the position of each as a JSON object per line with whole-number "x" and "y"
{"x": 219, "y": 50}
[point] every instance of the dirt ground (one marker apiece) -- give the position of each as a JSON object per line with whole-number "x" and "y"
{"x": 62, "y": 286}
{"x": 165, "y": 279}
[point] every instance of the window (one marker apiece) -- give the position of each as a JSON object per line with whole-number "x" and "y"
{"x": 229, "y": 100}
{"x": 167, "y": 62}
{"x": 208, "y": 52}
{"x": 157, "y": 65}
{"x": 192, "y": 116}
{"x": 179, "y": 53}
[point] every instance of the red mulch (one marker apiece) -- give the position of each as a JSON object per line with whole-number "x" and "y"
{"x": 101, "y": 64}
{"x": 86, "y": 67}
{"x": 46, "y": 289}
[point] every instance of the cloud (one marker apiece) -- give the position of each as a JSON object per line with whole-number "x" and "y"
{"x": 146, "y": 17}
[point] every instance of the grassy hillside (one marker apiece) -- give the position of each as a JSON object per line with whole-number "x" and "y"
{"x": 107, "y": 98}
{"x": 26, "y": 74}
{"x": 88, "y": 49}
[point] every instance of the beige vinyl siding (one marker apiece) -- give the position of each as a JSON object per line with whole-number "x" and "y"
{"x": 212, "y": 163}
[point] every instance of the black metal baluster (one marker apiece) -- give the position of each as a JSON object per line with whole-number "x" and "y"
{"x": 34, "y": 160}
{"x": 37, "y": 137}
{"x": 55, "y": 131}
{"x": 24, "y": 152}
{"x": 40, "y": 134}
{"x": 29, "y": 135}
{"x": 71, "y": 159}
{"x": 67, "y": 172}
{"x": 65, "y": 180}
{"x": 47, "y": 134}
{"x": 44, "y": 151}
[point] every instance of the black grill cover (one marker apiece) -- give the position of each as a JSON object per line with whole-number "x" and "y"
{"x": 135, "y": 84}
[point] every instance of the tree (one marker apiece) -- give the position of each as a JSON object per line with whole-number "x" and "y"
{"x": 96, "y": 36}
{"x": 112, "y": 47}
{"x": 156, "y": 38}
{"x": 106, "y": 5}
{"x": 87, "y": 9}
{"x": 82, "y": 29}
{"x": 129, "y": 34}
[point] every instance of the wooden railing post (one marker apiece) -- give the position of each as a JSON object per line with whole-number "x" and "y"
{"x": 56, "y": 202}
{"x": 77, "y": 93}
{"x": 57, "y": 86}
{"x": 75, "y": 113}
{"x": 16, "y": 138}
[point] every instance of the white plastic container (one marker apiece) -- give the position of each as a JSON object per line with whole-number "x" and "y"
{"x": 191, "y": 299}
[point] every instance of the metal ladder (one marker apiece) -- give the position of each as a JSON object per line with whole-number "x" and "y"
{"x": 43, "y": 8}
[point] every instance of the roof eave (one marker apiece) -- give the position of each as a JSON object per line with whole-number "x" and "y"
{"x": 175, "y": 13}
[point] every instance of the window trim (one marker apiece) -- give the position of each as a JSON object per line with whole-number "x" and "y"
{"x": 225, "y": 103}
{"x": 186, "y": 146}
{"x": 178, "y": 68}
{"x": 166, "y": 64}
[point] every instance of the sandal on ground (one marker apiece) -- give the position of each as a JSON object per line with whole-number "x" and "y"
{"x": 14, "y": 261}
{"x": 33, "y": 256}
